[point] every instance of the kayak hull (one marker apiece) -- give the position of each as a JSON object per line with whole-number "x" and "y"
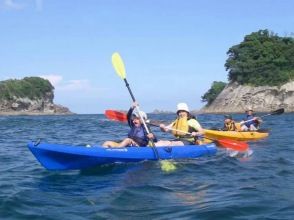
{"x": 235, "y": 135}
{"x": 65, "y": 157}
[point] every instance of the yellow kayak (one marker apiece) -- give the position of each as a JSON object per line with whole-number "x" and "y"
{"x": 236, "y": 135}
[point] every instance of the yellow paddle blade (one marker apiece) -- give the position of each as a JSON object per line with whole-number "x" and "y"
{"x": 167, "y": 166}
{"x": 118, "y": 65}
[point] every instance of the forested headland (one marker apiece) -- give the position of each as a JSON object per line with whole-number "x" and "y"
{"x": 262, "y": 59}
{"x": 30, "y": 87}
{"x": 30, "y": 95}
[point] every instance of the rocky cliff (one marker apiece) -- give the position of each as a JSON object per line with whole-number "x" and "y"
{"x": 13, "y": 104}
{"x": 236, "y": 98}
{"x": 26, "y": 106}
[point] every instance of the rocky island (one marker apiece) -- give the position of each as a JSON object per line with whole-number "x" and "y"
{"x": 236, "y": 98}
{"x": 29, "y": 96}
{"x": 261, "y": 76}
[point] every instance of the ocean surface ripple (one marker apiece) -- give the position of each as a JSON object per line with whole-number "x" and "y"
{"x": 219, "y": 187}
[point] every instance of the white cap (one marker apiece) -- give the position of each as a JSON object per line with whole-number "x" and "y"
{"x": 143, "y": 114}
{"x": 249, "y": 109}
{"x": 182, "y": 107}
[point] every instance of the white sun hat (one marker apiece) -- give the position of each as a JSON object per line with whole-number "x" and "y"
{"x": 143, "y": 114}
{"x": 182, "y": 107}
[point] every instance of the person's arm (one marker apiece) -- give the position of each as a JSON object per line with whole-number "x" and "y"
{"x": 130, "y": 112}
{"x": 258, "y": 119}
{"x": 234, "y": 126}
{"x": 129, "y": 116}
{"x": 152, "y": 137}
{"x": 195, "y": 124}
{"x": 244, "y": 120}
{"x": 166, "y": 128}
{"x": 225, "y": 127}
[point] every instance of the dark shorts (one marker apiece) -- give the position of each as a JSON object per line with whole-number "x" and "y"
{"x": 140, "y": 142}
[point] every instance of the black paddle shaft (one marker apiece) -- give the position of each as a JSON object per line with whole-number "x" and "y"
{"x": 130, "y": 91}
{"x": 276, "y": 112}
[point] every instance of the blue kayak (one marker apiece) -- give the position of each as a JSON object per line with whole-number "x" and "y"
{"x": 65, "y": 157}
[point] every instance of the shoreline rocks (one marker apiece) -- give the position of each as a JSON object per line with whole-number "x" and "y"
{"x": 237, "y": 98}
{"x": 33, "y": 101}
{"x": 26, "y": 106}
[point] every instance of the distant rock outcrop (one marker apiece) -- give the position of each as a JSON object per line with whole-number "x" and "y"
{"x": 26, "y": 106}
{"x": 157, "y": 111}
{"x": 236, "y": 98}
{"x": 40, "y": 104}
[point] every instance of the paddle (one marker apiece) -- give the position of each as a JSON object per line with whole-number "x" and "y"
{"x": 276, "y": 112}
{"x": 119, "y": 67}
{"x": 226, "y": 143}
{"x": 116, "y": 115}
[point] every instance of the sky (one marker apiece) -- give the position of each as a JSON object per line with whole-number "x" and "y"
{"x": 173, "y": 50}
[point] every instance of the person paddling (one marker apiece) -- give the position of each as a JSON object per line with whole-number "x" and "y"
{"x": 185, "y": 123}
{"x": 137, "y": 135}
{"x": 250, "y": 123}
{"x": 229, "y": 124}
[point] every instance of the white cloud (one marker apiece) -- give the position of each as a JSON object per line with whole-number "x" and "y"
{"x": 74, "y": 85}
{"x": 14, "y": 5}
{"x": 54, "y": 79}
{"x": 81, "y": 85}
{"x": 10, "y": 4}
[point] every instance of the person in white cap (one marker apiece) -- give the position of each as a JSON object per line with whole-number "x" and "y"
{"x": 137, "y": 135}
{"x": 250, "y": 123}
{"x": 185, "y": 128}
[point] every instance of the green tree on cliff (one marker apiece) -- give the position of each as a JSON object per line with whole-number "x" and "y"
{"x": 30, "y": 87}
{"x": 213, "y": 92}
{"x": 263, "y": 58}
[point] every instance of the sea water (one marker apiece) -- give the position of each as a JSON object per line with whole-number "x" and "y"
{"x": 219, "y": 187}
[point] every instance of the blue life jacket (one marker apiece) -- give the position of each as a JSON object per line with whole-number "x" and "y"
{"x": 252, "y": 122}
{"x": 139, "y": 135}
